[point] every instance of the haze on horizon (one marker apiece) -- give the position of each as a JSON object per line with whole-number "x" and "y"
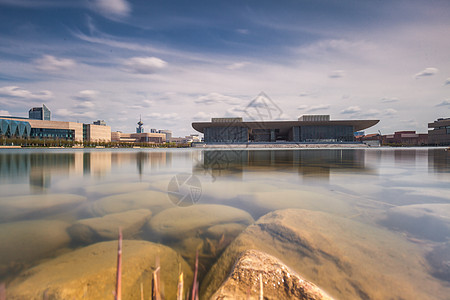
{"x": 176, "y": 62}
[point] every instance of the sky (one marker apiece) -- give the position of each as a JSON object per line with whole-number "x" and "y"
{"x": 177, "y": 62}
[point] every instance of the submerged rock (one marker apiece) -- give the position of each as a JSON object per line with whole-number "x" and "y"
{"x": 107, "y": 227}
{"x": 24, "y": 242}
{"x": 152, "y": 200}
{"x": 255, "y": 270}
{"x": 226, "y": 230}
{"x": 430, "y": 221}
{"x": 439, "y": 260}
{"x": 90, "y": 273}
{"x": 20, "y": 207}
{"x": 349, "y": 259}
{"x": 181, "y": 222}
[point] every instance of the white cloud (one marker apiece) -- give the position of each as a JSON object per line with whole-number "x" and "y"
{"x": 144, "y": 65}
{"x": 389, "y": 100}
{"x": 85, "y": 105}
{"x": 86, "y": 95}
{"x": 302, "y": 107}
{"x": 243, "y": 31}
{"x": 444, "y": 103}
{"x": 4, "y": 113}
{"x": 447, "y": 82}
{"x": 351, "y": 110}
{"x": 64, "y": 112}
{"x": 337, "y": 74}
{"x": 318, "y": 107}
{"x": 237, "y": 65}
{"x": 214, "y": 98}
{"x": 15, "y": 91}
{"x": 50, "y": 63}
{"x": 426, "y": 72}
{"x": 389, "y": 112}
{"x": 159, "y": 116}
{"x": 204, "y": 116}
{"x": 112, "y": 8}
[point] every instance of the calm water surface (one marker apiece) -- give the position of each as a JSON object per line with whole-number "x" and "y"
{"x": 405, "y": 192}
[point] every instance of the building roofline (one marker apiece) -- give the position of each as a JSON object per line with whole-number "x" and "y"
{"x": 358, "y": 124}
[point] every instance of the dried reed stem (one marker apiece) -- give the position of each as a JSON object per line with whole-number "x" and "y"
{"x": 142, "y": 291}
{"x": 261, "y": 293}
{"x": 2, "y": 291}
{"x": 119, "y": 268}
{"x": 180, "y": 287}
{"x": 156, "y": 293}
{"x": 194, "y": 284}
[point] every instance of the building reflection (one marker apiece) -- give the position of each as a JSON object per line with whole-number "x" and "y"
{"x": 309, "y": 164}
{"x": 39, "y": 168}
{"x": 439, "y": 161}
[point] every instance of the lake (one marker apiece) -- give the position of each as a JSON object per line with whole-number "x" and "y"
{"x": 383, "y": 214}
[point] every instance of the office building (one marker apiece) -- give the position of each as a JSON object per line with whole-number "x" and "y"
{"x": 440, "y": 133}
{"x": 39, "y": 113}
{"x": 308, "y": 129}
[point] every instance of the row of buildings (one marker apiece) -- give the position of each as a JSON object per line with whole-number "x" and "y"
{"x": 438, "y": 135}
{"x": 307, "y": 129}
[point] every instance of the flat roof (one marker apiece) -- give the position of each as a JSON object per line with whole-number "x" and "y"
{"x": 285, "y": 125}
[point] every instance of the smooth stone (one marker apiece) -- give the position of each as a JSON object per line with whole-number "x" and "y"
{"x": 181, "y": 222}
{"x": 430, "y": 221}
{"x": 227, "y": 230}
{"x": 106, "y": 228}
{"x": 278, "y": 280}
{"x": 261, "y": 203}
{"x": 20, "y": 207}
{"x": 439, "y": 260}
{"x": 25, "y": 242}
{"x": 90, "y": 273}
{"x": 348, "y": 259}
{"x": 152, "y": 200}
{"x": 116, "y": 188}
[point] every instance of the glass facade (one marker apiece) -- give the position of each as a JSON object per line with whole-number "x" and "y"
{"x": 13, "y": 128}
{"x": 229, "y": 134}
{"x": 323, "y": 133}
{"x": 39, "y": 113}
{"x": 54, "y": 134}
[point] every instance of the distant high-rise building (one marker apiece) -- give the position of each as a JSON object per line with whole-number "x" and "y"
{"x": 153, "y": 130}
{"x": 140, "y": 129}
{"x": 100, "y": 122}
{"x": 168, "y": 134}
{"x": 39, "y": 113}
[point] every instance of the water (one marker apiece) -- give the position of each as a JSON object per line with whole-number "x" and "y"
{"x": 403, "y": 192}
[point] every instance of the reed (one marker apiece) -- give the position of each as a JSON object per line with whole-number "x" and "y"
{"x": 2, "y": 291}
{"x": 118, "y": 295}
{"x": 195, "y": 283}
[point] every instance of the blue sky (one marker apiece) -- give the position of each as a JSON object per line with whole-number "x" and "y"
{"x": 175, "y": 62}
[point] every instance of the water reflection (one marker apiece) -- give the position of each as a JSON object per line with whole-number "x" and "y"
{"x": 39, "y": 167}
{"x": 438, "y": 161}
{"x": 316, "y": 164}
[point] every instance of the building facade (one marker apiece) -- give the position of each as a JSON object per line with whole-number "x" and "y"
{"x": 440, "y": 133}
{"x": 39, "y": 113}
{"x": 144, "y": 137}
{"x": 53, "y": 130}
{"x": 308, "y": 129}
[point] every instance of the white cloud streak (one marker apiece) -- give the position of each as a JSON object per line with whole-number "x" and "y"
{"x": 17, "y": 92}
{"x": 144, "y": 65}
{"x": 112, "y": 8}
{"x": 51, "y": 63}
{"x": 426, "y": 72}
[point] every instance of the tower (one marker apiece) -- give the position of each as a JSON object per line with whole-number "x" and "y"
{"x": 140, "y": 129}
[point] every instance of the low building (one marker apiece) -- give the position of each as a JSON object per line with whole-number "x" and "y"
{"x": 308, "y": 129}
{"x": 144, "y": 137}
{"x": 439, "y": 135}
{"x": 96, "y": 133}
{"x": 405, "y": 138}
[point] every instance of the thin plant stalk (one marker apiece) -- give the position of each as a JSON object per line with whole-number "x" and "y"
{"x": 156, "y": 291}
{"x": 261, "y": 292}
{"x": 142, "y": 291}
{"x": 2, "y": 291}
{"x": 119, "y": 268}
{"x": 194, "y": 284}
{"x": 180, "y": 287}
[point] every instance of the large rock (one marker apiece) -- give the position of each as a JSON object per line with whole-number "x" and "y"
{"x": 23, "y": 243}
{"x": 439, "y": 260}
{"x": 20, "y": 207}
{"x": 256, "y": 268}
{"x": 152, "y": 200}
{"x": 430, "y": 221}
{"x": 106, "y": 228}
{"x": 89, "y": 273}
{"x": 181, "y": 222}
{"x": 349, "y": 259}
